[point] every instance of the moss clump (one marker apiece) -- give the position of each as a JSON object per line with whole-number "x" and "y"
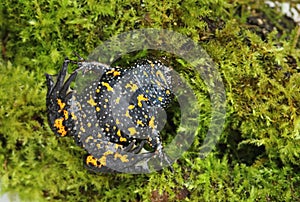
{"x": 256, "y": 50}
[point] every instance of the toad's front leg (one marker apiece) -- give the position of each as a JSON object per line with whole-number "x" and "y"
{"x": 57, "y": 99}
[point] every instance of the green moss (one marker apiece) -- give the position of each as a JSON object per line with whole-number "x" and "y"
{"x": 257, "y": 157}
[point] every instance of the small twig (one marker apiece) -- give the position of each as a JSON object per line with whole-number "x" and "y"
{"x": 296, "y": 37}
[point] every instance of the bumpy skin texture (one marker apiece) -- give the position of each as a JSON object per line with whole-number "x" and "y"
{"x": 112, "y": 112}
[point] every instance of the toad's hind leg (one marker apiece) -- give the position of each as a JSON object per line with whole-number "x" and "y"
{"x": 112, "y": 160}
{"x": 113, "y": 163}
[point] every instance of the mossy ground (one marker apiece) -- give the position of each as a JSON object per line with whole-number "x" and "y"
{"x": 256, "y": 50}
